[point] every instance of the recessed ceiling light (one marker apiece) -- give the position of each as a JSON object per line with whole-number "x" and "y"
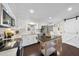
{"x": 70, "y": 8}
{"x": 31, "y": 11}
{"x": 50, "y": 17}
{"x": 32, "y": 23}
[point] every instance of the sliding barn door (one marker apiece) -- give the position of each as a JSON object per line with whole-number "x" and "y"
{"x": 71, "y": 32}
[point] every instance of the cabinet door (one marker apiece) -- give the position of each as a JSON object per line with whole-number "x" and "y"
{"x": 28, "y": 40}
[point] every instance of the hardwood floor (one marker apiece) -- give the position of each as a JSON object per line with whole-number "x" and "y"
{"x": 67, "y": 50}
{"x": 32, "y": 50}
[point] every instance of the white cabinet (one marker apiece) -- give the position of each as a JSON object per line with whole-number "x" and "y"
{"x": 6, "y": 18}
{"x": 29, "y": 39}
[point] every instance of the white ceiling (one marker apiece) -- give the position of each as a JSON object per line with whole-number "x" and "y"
{"x": 42, "y": 11}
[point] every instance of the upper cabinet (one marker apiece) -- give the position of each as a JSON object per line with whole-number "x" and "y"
{"x": 6, "y": 18}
